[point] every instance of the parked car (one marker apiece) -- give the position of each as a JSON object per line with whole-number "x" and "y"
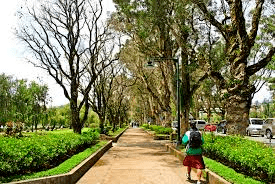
{"x": 269, "y": 127}
{"x": 200, "y": 124}
{"x": 210, "y": 128}
{"x": 255, "y": 127}
{"x": 221, "y": 127}
{"x": 174, "y": 125}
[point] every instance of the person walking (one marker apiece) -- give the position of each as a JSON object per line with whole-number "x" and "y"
{"x": 193, "y": 141}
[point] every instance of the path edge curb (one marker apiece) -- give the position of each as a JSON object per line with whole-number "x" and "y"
{"x": 115, "y": 139}
{"x": 211, "y": 177}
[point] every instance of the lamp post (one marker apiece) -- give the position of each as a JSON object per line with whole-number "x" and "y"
{"x": 150, "y": 64}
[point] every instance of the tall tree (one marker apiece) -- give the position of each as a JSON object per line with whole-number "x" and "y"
{"x": 6, "y": 107}
{"x": 162, "y": 29}
{"x": 119, "y": 102}
{"x": 65, "y": 38}
{"x": 101, "y": 93}
{"x": 37, "y": 102}
{"x": 144, "y": 23}
{"x": 239, "y": 32}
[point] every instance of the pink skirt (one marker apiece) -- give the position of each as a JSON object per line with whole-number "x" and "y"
{"x": 194, "y": 161}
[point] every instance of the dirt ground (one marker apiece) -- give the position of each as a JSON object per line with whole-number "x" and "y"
{"x": 137, "y": 159}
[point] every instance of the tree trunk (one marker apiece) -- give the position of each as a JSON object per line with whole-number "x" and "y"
{"x": 238, "y": 106}
{"x": 186, "y": 94}
{"x": 101, "y": 123}
{"x": 75, "y": 119}
{"x": 185, "y": 121}
{"x": 76, "y": 124}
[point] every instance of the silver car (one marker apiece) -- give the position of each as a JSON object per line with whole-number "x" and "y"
{"x": 200, "y": 124}
{"x": 255, "y": 127}
{"x": 269, "y": 127}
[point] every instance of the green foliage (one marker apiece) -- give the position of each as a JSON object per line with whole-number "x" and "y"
{"x": 63, "y": 168}
{"x": 145, "y": 126}
{"x": 35, "y": 152}
{"x": 158, "y": 129}
{"x": 264, "y": 110}
{"x": 21, "y": 100}
{"x": 228, "y": 173}
{"x": 245, "y": 156}
{"x": 57, "y": 117}
{"x": 93, "y": 120}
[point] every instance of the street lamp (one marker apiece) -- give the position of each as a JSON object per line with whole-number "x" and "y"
{"x": 151, "y": 64}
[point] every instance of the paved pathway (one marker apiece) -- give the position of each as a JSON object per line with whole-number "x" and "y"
{"x": 137, "y": 159}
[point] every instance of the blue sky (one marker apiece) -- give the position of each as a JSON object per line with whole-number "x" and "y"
{"x": 12, "y": 62}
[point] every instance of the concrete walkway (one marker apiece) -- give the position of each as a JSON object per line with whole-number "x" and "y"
{"x": 137, "y": 159}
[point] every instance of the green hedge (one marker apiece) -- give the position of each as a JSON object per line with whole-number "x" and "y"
{"x": 158, "y": 129}
{"x": 63, "y": 168}
{"x": 228, "y": 173}
{"x": 245, "y": 156}
{"x": 37, "y": 152}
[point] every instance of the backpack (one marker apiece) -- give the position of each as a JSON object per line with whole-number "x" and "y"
{"x": 195, "y": 139}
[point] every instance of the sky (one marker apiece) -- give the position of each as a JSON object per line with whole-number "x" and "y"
{"x": 13, "y": 63}
{"x": 12, "y": 60}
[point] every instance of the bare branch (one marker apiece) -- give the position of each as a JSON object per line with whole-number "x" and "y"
{"x": 251, "y": 70}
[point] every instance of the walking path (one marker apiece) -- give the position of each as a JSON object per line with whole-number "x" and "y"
{"x": 137, "y": 159}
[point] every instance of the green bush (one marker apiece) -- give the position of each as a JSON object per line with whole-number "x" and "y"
{"x": 37, "y": 152}
{"x": 245, "y": 156}
{"x": 146, "y": 126}
{"x": 158, "y": 129}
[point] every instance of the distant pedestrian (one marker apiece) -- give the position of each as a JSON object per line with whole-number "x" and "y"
{"x": 193, "y": 141}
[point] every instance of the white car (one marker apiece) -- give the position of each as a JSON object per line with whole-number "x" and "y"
{"x": 255, "y": 127}
{"x": 200, "y": 124}
{"x": 269, "y": 128}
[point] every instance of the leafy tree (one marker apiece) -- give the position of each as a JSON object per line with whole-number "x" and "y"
{"x": 102, "y": 92}
{"x": 239, "y": 33}
{"x": 119, "y": 102}
{"x": 162, "y": 29}
{"x": 22, "y": 101}
{"x": 93, "y": 120}
{"x": 37, "y": 102}
{"x": 144, "y": 23}
{"x": 6, "y": 108}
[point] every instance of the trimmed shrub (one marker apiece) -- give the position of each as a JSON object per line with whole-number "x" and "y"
{"x": 158, "y": 129}
{"x": 37, "y": 152}
{"x": 245, "y": 156}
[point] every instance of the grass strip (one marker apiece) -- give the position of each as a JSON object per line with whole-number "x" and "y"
{"x": 64, "y": 167}
{"x": 228, "y": 173}
{"x": 115, "y": 133}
